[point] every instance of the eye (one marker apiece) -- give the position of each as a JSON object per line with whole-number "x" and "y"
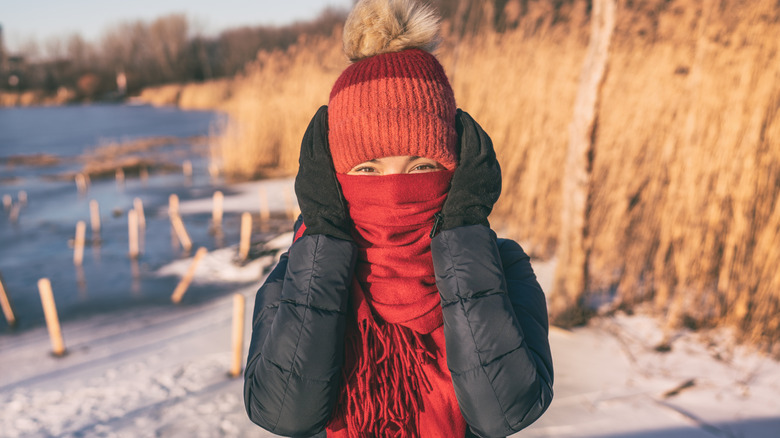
{"x": 425, "y": 166}
{"x": 364, "y": 169}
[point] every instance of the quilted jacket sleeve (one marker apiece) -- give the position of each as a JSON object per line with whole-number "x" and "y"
{"x": 296, "y": 351}
{"x": 495, "y": 326}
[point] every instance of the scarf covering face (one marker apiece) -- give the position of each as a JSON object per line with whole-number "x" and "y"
{"x": 395, "y": 379}
{"x": 392, "y": 217}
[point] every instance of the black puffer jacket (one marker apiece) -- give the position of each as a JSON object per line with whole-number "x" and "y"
{"x": 495, "y": 326}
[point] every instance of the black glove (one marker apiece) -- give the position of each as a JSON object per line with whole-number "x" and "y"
{"x": 476, "y": 182}
{"x": 319, "y": 194}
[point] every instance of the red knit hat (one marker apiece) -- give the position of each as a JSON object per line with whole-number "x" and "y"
{"x": 394, "y": 100}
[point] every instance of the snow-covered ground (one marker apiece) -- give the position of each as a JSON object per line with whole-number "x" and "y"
{"x": 611, "y": 381}
{"x": 162, "y": 371}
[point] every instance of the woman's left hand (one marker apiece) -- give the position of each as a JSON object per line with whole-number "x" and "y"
{"x": 476, "y": 182}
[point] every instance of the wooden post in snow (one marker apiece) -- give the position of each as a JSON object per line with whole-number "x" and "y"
{"x": 78, "y": 245}
{"x": 187, "y": 168}
{"x": 216, "y": 214}
{"x": 213, "y": 171}
{"x": 239, "y": 305}
{"x": 571, "y": 275}
{"x": 265, "y": 212}
{"x": 181, "y": 232}
{"x": 81, "y": 183}
{"x": 246, "y": 234}
{"x": 52, "y": 320}
{"x": 7, "y": 201}
{"x": 94, "y": 217}
{"x": 173, "y": 205}
{"x": 5, "y": 303}
{"x": 138, "y": 206}
{"x": 13, "y": 216}
{"x": 132, "y": 234}
{"x": 181, "y": 288}
{"x": 178, "y": 226}
{"x": 173, "y": 210}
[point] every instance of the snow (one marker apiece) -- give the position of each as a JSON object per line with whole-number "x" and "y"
{"x": 279, "y": 191}
{"x": 158, "y": 372}
{"x": 610, "y": 381}
{"x": 220, "y": 266}
{"x": 162, "y": 371}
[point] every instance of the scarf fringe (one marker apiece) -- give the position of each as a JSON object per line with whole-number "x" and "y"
{"x": 383, "y": 397}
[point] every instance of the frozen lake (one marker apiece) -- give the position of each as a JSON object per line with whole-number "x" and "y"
{"x": 38, "y": 243}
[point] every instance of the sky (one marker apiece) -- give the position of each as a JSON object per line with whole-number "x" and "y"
{"x": 23, "y": 20}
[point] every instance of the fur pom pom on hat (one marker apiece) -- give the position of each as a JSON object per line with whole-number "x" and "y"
{"x": 385, "y": 26}
{"x": 395, "y": 99}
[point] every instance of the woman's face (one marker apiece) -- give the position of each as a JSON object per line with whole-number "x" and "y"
{"x": 394, "y": 165}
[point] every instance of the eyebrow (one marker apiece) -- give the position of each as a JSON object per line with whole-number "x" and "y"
{"x": 375, "y": 160}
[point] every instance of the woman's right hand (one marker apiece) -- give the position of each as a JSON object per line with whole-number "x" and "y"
{"x": 319, "y": 194}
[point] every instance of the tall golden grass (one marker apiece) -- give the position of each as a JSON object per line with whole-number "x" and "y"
{"x": 686, "y": 172}
{"x": 191, "y": 96}
{"x": 35, "y": 98}
{"x": 272, "y": 104}
{"x": 687, "y": 166}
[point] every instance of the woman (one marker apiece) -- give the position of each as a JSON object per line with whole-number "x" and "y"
{"x": 396, "y": 311}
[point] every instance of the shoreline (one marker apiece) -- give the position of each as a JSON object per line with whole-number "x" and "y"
{"x": 209, "y": 95}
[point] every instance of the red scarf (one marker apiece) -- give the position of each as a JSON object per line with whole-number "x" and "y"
{"x": 396, "y": 381}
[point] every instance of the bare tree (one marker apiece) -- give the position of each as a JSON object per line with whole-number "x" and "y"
{"x": 30, "y": 50}
{"x": 168, "y": 38}
{"x": 54, "y": 48}
{"x": 79, "y": 52}
{"x": 169, "y": 49}
{"x": 571, "y": 276}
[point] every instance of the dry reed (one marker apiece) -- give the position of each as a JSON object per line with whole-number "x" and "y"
{"x": 273, "y": 104}
{"x": 687, "y": 167}
{"x": 686, "y": 173}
